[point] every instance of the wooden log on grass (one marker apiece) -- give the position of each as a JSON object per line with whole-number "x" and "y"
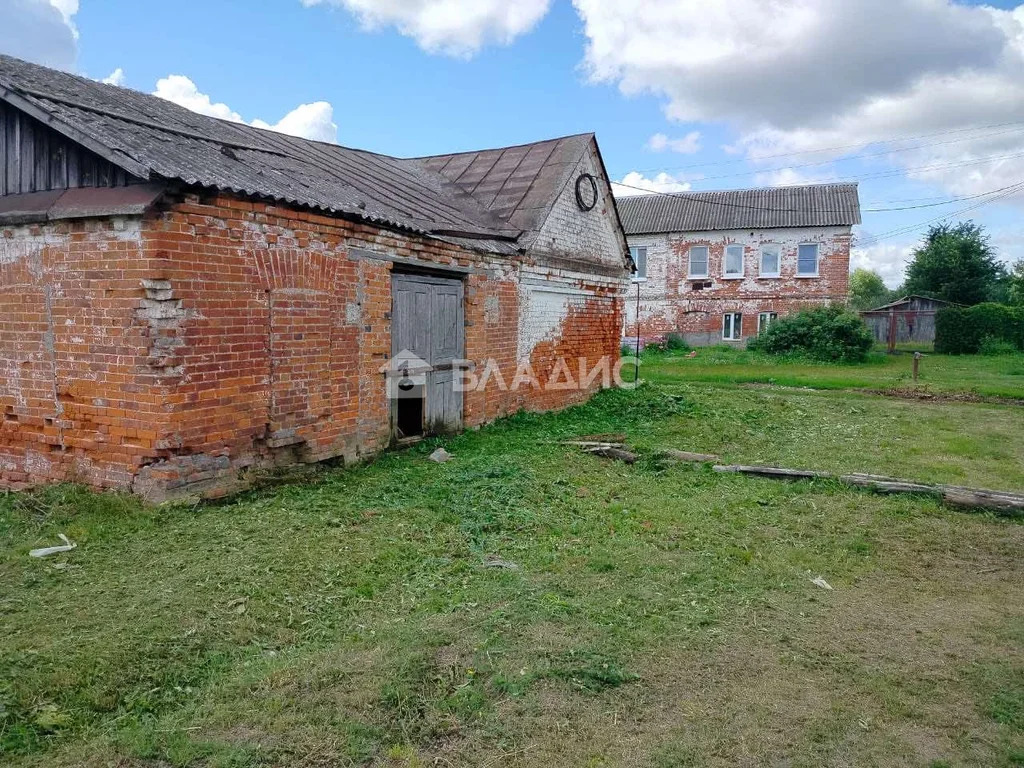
{"x": 611, "y": 452}
{"x": 954, "y": 495}
{"x": 696, "y": 458}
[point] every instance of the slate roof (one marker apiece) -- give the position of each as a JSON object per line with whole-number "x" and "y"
{"x": 518, "y": 183}
{"x": 818, "y": 205}
{"x": 156, "y": 139}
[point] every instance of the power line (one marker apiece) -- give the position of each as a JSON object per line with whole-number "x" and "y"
{"x": 855, "y": 146}
{"x": 754, "y": 171}
{"x": 694, "y": 197}
{"x": 1003, "y": 194}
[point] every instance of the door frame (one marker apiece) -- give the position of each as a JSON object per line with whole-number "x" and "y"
{"x": 430, "y": 277}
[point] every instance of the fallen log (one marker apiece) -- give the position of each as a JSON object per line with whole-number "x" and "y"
{"x": 611, "y": 452}
{"x": 954, "y": 495}
{"x": 697, "y": 458}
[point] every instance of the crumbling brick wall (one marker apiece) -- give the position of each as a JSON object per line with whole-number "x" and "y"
{"x": 170, "y": 352}
{"x": 671, "y": 301}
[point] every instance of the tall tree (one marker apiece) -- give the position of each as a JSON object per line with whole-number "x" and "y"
{"x": 867, "y": 290}
{"x": 955, "y": 263}
{"x": 1016, "y": 281}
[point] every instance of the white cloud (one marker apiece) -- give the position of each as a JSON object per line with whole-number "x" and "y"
{"x": 786, "y": 177}
{"x": 822, "y": 73}
{"x": 688, "y": 145}
{"x": 310, "y": 121}
{"x": 452, "y": 27}
{"x": 42, "y": 31}
{"x": 635, "y": 183}
{"x": 114, "y": 78}
{"x": 887, "y": 259}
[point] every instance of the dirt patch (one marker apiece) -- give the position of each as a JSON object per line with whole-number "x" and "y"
{"x": 907, "y": 393}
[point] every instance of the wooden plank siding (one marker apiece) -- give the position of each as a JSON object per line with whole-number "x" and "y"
{"x": 35, "y": 158}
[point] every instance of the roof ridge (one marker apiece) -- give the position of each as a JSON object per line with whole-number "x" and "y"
{"x": 692, "y": 192}
{"x": 498, "y": 149}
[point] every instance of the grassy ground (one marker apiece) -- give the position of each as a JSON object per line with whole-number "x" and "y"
{"x": 657, "y": 615}
{"x": 997, "y": 376}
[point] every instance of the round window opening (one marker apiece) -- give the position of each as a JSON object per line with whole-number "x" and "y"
{"x": 586, "y": 192}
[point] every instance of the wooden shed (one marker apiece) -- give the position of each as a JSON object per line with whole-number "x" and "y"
{"x": 910, "y": 319}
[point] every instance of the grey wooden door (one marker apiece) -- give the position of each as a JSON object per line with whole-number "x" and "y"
{"x": 427, "y": 320}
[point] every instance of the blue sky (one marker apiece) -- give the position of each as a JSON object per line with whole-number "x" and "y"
{"x": 411, "y": 77}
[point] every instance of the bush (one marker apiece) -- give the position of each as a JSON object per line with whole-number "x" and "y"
{"x": 965, "y": 330}
{"x": 830, "y": 333}
{"x": 993, "y": 346}
{"x": 674, "y": 342}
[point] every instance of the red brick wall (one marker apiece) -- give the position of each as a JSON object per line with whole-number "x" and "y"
{"x": 216, "y": 334}
{"x": 77, "y": 390}
{"x": 669, "y": 303}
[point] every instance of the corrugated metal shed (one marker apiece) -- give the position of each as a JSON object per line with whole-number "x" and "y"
{"x": 493, "y": 198}
{"x": 818, "y": 205}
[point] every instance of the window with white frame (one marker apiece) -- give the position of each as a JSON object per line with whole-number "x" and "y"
{"x": 640, "y": 260}
{"x": 764, "y": 319}
{"x": 698, "y": 261}
{"x": 734, "y": 261}
{"x": 732, "y": 326}
{"x": 807, "y": 260}
{"x": 771, "y": 255}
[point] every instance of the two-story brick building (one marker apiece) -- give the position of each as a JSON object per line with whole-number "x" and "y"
{"x": 717, "y": 267}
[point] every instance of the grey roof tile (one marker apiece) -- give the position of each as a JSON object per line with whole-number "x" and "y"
{"x": 815, "y": 205}
{"x": 474, "y": 194}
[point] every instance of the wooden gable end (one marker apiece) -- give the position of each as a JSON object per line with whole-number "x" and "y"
{"x": 35, "y": 158}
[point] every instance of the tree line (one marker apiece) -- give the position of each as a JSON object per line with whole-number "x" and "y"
{"x": 956, "y": 263}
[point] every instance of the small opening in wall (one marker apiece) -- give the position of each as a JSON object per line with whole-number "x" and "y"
{"x": 409, "y": 417}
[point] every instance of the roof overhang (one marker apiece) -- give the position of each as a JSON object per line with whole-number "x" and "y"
{"x": 85, "y": 203}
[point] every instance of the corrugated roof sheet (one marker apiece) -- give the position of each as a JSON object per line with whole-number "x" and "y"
{"x": 494, "y": 196}
{"x": 517, "y": 184}
{"x": 818, "y": 205}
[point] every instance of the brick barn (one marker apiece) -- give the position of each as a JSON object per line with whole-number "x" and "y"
{"x": 183, "y": 298}
{"x": 717, "y": 267}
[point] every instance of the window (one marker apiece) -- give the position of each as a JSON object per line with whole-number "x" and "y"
{"x": 764, "y": 319}
{"x": 770, "y": 261}
{"x": 807, "y": 260}
{"x": 734, "y": 261}
{"x": 732, "y": 326}
{"x": 640, "y": 259}
{"x": 699, "y": 261}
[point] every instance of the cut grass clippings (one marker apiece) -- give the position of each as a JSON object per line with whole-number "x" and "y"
{"x": 658, "y": 615}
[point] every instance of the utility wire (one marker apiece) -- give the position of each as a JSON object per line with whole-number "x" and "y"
{"x": 1003, "y": 194}
{"x": 695, "y": 197}
{"x": 856, "y": 146}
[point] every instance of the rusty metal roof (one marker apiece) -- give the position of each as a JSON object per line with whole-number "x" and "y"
{"x": 487, "y": 204}
{"x": 35, "y": 207}
{"x": 817, "y": 205}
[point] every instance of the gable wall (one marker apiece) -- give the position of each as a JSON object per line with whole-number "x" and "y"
{"x": 35, "y": 158}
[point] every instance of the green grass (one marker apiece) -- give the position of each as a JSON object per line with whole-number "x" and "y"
{"x": 658, "y": 615}
{"x": 990, "y": 376}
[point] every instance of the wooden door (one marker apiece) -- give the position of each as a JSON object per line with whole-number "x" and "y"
{"x": 427, "y": 320}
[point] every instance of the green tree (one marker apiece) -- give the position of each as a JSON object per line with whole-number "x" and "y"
{"x": 867, "y": 290}
{"x": 1016, "y": 284}
{"x": 955, "y": 263}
